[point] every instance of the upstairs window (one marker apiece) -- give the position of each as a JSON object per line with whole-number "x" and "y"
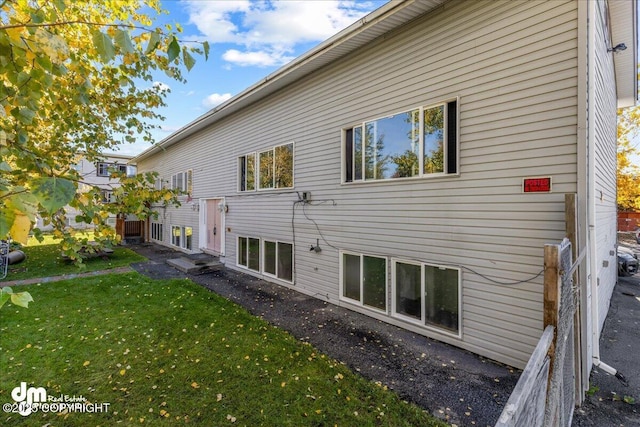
{"x": 266, "y": 170}
{"x": 183, "y": 181}
{"x": 416, "y": 143}
{"x": 102, "y": 169}
{"x": 105, "y": 169}
{"x": 247, "y": 168}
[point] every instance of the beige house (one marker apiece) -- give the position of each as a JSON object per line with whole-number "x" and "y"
{"x": 413, "y": 166}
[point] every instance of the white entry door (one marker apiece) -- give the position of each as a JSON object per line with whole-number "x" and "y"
{"x": 215, "y": 227}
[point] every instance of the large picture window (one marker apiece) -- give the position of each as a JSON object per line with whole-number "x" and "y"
{"x": 427, "y": 294}
{"x": 416, "y": 143}
{"x": 249, "y": 253}
{"x": 278, "y": 260}
{"x": 364, "y": 280}
{"x": 266, "y": 170}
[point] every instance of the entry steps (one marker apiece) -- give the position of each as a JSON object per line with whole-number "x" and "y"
{"x": 196, "y": 263}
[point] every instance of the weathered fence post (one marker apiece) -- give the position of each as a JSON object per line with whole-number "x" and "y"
{"x": 552, "y": 285}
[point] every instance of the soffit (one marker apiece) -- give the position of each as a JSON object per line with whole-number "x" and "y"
{"x": 624, "y": 29}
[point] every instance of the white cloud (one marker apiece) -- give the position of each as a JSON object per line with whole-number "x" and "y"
{"x": 161, "y": 87}
{"x": 267, "y": 32}
{"x": 256, "y": 58}
{"x": 169, "y": 129}
{"x": 215, "y": 99}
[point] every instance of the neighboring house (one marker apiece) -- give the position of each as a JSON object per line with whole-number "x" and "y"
{"x": 96, "y": 174}
{"x": 628, "y": 221}
{"x": 387, "y": 170}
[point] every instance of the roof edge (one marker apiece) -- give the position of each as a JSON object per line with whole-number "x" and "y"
{"x": 245, "y": 97}
{"x": 624, "y": 29}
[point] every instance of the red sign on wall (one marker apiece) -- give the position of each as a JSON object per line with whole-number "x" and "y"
{"x": 537, "y": 185}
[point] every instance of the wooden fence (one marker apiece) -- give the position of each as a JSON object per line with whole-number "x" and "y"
{"x": 133, "y": 228}
{"x": 130, "y": 229}
{"x": 526, "y": 404}
{"x": 546, "y": 391}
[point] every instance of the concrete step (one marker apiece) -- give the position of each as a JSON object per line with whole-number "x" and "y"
{"x": 196, "y": 264}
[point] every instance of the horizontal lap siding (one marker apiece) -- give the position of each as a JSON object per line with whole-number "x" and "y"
{"x": 513, "y": 67}
{"x": 605, "y": 167}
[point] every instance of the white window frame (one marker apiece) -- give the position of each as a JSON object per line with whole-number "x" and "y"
{"x": 107, "y": 196}
{"x": 158, "y": 184}
{"x": 421, "y": 174}
{"x": 361, "y": 301}
{"x": 422, "y": 321}
{"x": 102, "y": 169}
{"x": 264, "y": 254}
{"x": 183, "y": 237}
{"x": 173, "y": 235}
{"x": 157, "y": 231}
{"x": 256, "y": 169}
{"x": 247, "y": 267}
{"x": 183, "y": 181}
{"x": 243, "y": 163}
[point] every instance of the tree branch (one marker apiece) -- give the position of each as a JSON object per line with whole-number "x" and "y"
{"x": 91, "y": 24}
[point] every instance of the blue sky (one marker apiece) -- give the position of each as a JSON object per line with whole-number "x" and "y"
{"x": 249, "y": 39}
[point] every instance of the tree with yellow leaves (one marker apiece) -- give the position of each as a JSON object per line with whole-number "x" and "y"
{"x": 70, "y": 86}
{"x": 628, "y": 172}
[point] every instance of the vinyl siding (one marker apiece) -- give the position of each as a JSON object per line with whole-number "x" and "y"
{"x": 513, "y": 67}
{"x": 605, "y": 165}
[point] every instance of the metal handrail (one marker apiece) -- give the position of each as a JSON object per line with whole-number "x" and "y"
{"x": 4, "y": 258}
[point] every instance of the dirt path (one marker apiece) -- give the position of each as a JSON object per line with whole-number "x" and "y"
{"x": 63, "y": 277}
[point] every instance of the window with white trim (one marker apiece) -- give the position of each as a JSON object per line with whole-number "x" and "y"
{"x": 247, "y": 172}
{"x": 102, "y": 169}
{"x": 157, "y": 231}
{"x": 278, "y": 259}
{"x": 266, "y": 170}
{"x": 364, "y": 280}
{"x": 417, "y": 143}
{"x": 183, "y": 181}
{"x": 107, "y": 196}
{"x": 427, "y": 294}
{"x": 249, "y": 253}
{"x": 182, "y": 236}
{"x": 158, "y": 183}
{"x": 105, "y": 169}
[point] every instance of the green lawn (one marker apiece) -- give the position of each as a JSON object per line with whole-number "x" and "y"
{"x": 49, "y": 239}
{"x": 171, "y": 352}
{"x": 46, "y": 261}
